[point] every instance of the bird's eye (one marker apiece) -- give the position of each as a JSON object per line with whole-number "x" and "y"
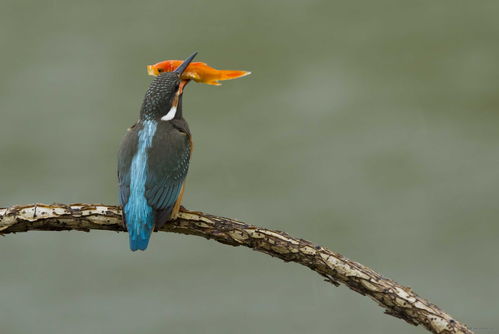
{"x": 160, "y": 70}
{"x": 176, "y": 87}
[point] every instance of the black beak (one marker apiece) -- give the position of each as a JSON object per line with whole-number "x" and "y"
{"x": 186, "y": 63}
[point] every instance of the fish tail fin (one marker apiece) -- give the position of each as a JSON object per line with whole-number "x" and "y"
{"x": 225, "y": 75}
{"x": 228, "y": 75}
{"x": 213, "y": 82}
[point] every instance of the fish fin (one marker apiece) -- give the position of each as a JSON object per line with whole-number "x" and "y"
{"x": 213, "y": 83}
{"x": 192, "y": 75}
{"x": 229, "y": 75}
{"x": 223, "y": 75}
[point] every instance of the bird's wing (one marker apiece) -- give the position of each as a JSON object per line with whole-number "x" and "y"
{"x": 125, "y": 155}
{"x": 168, "y": 162}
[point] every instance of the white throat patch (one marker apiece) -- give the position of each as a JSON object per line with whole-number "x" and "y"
{"x": 170, "y": 115}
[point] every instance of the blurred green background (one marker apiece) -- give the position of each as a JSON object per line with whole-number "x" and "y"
{"x": 369, "y": 127}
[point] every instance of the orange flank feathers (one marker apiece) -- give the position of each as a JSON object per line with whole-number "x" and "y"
{"x": 199, "y": 72}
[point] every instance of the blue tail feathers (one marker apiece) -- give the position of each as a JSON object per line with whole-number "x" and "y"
{"x": 140, "y": 223}
{"x": 139, "y": 244}
{"x": 138, "y": 213}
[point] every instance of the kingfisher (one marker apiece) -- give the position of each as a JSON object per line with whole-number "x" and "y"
{"x": 153, "y": 159}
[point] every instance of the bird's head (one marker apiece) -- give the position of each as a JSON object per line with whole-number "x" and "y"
{"x": 163, "y": 99}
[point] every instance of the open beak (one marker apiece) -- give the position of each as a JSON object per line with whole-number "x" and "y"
{"x": 179, "y": 93}
{"x": 183, "y": 83}
{"x": 184, "y": 65}
{"x": 181, "y": 70}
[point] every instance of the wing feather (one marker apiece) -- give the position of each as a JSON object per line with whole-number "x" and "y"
{"x": 168, "y": 162}
{"x": 125, "y": 155}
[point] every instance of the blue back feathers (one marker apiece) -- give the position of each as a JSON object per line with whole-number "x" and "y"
{"x": 139, "y": 214}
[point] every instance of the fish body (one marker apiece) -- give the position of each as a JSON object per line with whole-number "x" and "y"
{"x": 197, "y": 71}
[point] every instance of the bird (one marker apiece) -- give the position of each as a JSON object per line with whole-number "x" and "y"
{"x": 153, "y": 159}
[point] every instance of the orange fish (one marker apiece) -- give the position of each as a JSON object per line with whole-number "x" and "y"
{"x": 199, "y": 72}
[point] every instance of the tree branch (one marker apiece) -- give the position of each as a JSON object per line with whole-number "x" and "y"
{"x": 397, "y": 300}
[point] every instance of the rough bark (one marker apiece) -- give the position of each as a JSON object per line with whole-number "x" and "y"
{"x": 397, "y": 300}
